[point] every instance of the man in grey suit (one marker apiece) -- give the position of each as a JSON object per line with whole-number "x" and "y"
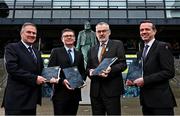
{"x": 24, "y": 65}
{"x": 86, "y": 39}
{"x": 106, "y": 88}
{"x": 156, "y": 96}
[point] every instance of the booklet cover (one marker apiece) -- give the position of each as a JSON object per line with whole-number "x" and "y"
{"x": 49, "y": 72}
{"x": 74, "y": 77}
{"x": 135, "y": 70}
{"x": 104, "y": 65}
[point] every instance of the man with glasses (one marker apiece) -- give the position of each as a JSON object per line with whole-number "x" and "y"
{"x": 66, "y": 99}
{"x": 106, "y": 88}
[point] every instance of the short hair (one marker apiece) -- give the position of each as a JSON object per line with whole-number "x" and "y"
{"x": 103, "y": 23}
{"x": 149, "y": 21}
{"x": 67, "y": 30}
{"x": 27, "y": 24}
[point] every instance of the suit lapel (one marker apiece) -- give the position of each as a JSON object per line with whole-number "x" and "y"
{"x": 108, "y": 47}
{"x": 150, "y": 53}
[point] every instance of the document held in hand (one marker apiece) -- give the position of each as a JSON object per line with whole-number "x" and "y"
{"x": 74, "y": 77}
{"x": 104, "y": 65}
{"x": 51, "y": 72}
{"x": 135, "y": 70}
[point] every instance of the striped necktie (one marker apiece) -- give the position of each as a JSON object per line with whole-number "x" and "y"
{"x": 145, "y": 51}
{"x": 32, "y": 53}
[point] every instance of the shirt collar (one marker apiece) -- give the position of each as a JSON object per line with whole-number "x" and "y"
{"x": 104, "y": 43}
{"x": 150, "y": 42}
{"x": 26, "y": 45}
{"x": 72, "y": 49}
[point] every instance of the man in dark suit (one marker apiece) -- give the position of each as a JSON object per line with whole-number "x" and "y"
{"x": 23, "y": 90}
{"x": 66, "y": 99}
{"x": 106, "y": 88}
{"x": 156, "y": 96}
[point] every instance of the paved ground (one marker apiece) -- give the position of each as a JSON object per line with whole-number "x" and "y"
{"x": 130, "y": 106}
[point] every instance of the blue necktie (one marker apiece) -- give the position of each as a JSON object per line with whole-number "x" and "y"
{"x": 70, "y": 56}
{"x": 145, "y": 51}
{"x": 32, "y": 53}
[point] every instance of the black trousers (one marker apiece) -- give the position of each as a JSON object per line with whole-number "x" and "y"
{"x": 103, "y": 105}
{"x": 65, "y": 107}
{"x": 158, "y": 111}
{"x": 20, "y": 112}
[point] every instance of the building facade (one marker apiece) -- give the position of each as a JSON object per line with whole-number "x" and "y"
{"x": 51, "y": 16}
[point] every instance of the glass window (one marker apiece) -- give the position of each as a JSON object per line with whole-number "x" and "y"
{"x": 98, "y": 4}
{"x": 80, "y": 14}
{"x": 24, "y": 3}
{"x": 117, "y": 14}
{"x": 136, "y": 14}
{"x": 23, "y": 14}
{"x": 155, "y": 14}
{"x": 61, "y": 3}
{"x": 99, "y": 14}
{"x": 80, "y": 3}
{"x": 117, "y": 4}
{"x": 42, "y": 14}
{"x": 61, "y": 14}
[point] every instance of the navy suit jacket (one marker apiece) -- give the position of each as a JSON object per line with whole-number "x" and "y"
{"x": 113, "y": 84}
{"x": 59, "y": 57}
{"x": 158, "y": 70}
{"x": 21, "y": 91}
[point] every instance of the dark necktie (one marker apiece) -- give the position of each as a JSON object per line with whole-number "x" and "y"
{"x": 70, "y": 56}
{"x": 32, "y": 54}
{"x": 102, "y": 52}
{"x": 145, "y": 52}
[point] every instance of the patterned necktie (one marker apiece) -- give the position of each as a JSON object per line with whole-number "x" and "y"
{"x": 145, "y": 51}
{"x": 70, "y": 56}
{"x": 102, "y": 52}
{"x": 32, "y": 53}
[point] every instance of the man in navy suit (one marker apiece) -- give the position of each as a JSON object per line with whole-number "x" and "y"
{"x": 156, "y": 96}
{"x": 24, "y": 66}
{"x": 66, "y": 99}
{"x": 106, "y": 88}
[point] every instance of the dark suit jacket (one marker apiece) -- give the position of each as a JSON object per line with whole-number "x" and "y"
{"x": 21, "y": 91}
{"x": 158, "y": 70}
{"x": 113, "y": 84}
{"x": 59, "y": 57}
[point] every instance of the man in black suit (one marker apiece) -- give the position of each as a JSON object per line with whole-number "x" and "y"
{"x": 156, "y": 96}
{"x": 66, "y": 99}
{"x": 106, "y": 88}
{"x": 23, "y": 90}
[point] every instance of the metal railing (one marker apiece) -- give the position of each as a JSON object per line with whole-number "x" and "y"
{"x": 92, "y": 8}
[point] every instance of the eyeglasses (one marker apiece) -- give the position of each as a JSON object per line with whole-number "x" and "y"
{"x": 102, "y": 31}
{"x": 66, "y": 36}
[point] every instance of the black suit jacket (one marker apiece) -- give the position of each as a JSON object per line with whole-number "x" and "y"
{"x": 113, "y": 84}
{"x": 21, "y": 91}
{"x": 158, "y": 70}
{"x": 59, "y": 57}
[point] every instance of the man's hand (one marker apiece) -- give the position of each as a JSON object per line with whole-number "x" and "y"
{"x": 129, "y": 83}
{"x": 54, "y": 80}
{"x": 105, "y": 72}
{"x": 90, "y": 72}
{"x": 139, "y": 82}
{"x": 40, "y": 80}
{"x": 66, "y": 83}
